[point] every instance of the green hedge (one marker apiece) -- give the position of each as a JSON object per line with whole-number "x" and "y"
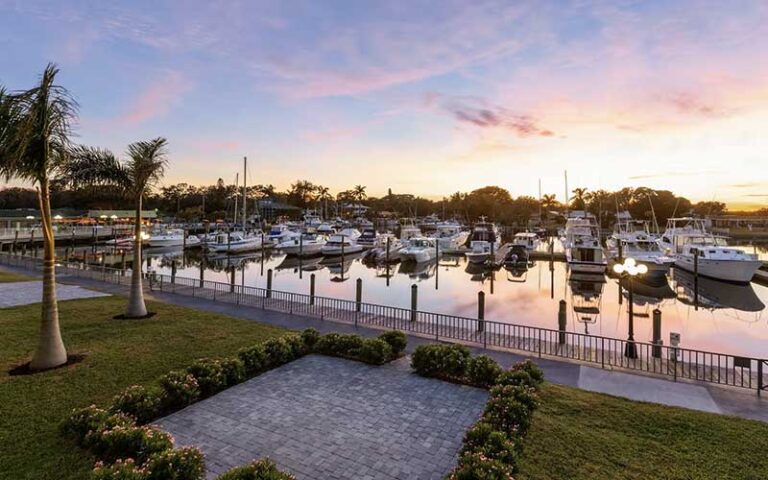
{"x": 492, "y": 447}
{"x": 128, "y": 449}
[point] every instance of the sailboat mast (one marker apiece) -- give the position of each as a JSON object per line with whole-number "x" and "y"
{"x": 567, "y": 203}
{"x": 245, "y": 190}
{"x": 539, "y": 200}
{"x": 237, "y": 182}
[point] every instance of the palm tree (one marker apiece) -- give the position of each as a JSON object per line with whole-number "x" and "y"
{"x": 359, "y": 193}
{"x": 323, "y": 193}
{"x": 34, "y": 147}
{"x": 579, "y": 199}
{"x": 135, "y": 177}
{"x": 548, "y": 201}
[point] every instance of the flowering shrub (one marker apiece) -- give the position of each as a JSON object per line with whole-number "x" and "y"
{"x": 81, "y": 421}
{"x": 482, "y": 438}
{"x": 507, "y": 415}
{"x": 139, "y": 402}
{"x": 515, "y": 378}
{"x": 476, "y": 466}
{"x": 179, "y": 389}
{"x": 482, "y": 371}
{"x": 254, "y": 358}
{"x": 338, "y": 345}
{"x": 120, "y": 470}
{"x": 532, "y": 369}
{"x": 130, "y": 441}
{"x": 177, "y": 464}
{"x": 209, "y": 375}
{"x": 375, "y": 351}
{"x": 278, "y": 352}
{"x": 234, "y": 371}
{"x": 93, "y": 438}
{"x": 310, "y": 336}
{"x": 263, "y": 469}
{"x": 297, "y": 346}
{"x": 448, "y": 362}
{"x": 396, "y": 340}
{"x": 523, "y": 394}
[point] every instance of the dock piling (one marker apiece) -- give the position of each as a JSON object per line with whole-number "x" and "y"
{"x": 269, "y": 283}
{"x": 562, "y": 319}
{"x": 414, "y": 301}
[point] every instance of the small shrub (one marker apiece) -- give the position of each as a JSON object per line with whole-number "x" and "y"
{"x": 515, "y": 378}
{"x": 254, "y": 358}
{"x": 442, "y": 361}
{"x": 339, "y": 345}
{"x": 209, "y": 375}
{"x": 507, "y": 415}
{"x": 523, "y": 394}
{"x": 185, "y": 463}
{"x": 536, "y": 374}
{"x": 278, "y": 352}
{"x": 138, "y": 443}
{"x": 482, "y": 438}
{"x": 396, "y": 340}
{"x": 116, "y": 420}
{"x": 234, "y": 371}
{"x": 482, "y": 371}
{"x": 179, "y": 389}
{"x": 263, "y": 469}
{"x": 81, "y": 421}
{"x": 476, "y": 466}
{"x": 139, "y": 402}
{"x": 310, "y": 336}
{"x": 297, "y": 346}
{"x": 120, "y": 470}
{"x": 375, "y": 351}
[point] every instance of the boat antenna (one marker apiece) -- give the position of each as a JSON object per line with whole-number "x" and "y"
{"x": 676, "y": 205}
{"x": 237, "y": 183}
{"x": 653, "y": 213}
{"x": 245, "y": 191}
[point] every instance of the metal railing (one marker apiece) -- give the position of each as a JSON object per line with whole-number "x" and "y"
{"x": 603, "y": 352}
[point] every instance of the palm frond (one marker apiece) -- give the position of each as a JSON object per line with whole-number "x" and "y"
{"x": 90, "y": 166}
{"x": 147, "y": 162}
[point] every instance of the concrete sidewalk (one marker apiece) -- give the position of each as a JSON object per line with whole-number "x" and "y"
{"x": 696, "y": 396}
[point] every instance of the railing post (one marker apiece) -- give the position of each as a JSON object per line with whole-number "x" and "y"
{"x": 480, "y": 312}
{"x": 759, "y": 377}
{"x": 656, "y": 349}
{"x": 358, "y": 298}
{"x": 173, "y": 271}
{"x": 414, "y": 301}
{"x": 269, "y": 284}
{"x": 312, "y": 289}
{"x": 562, "y": 322}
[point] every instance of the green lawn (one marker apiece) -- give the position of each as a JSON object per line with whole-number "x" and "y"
{"x": 119, "y": 353}
{"x": 6, "y": 277}
{"x": 582, "y": 435}
{"x": 576, "y": 434}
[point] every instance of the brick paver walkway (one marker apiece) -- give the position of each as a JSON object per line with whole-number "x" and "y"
{"x": 328, "y": 418}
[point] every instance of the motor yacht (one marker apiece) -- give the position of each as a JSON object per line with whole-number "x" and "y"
{"x": 685, "y": 238}
{"x": 632, "y": 239}
{"x": 344, "y": 242}
{"x": 485, "y": 240}
{"x": 280, "y": 233}
{"x": 304, "y": 245}
{"x": 172, "y": 238}
{"x": 450, "y": 238}
{"x": 527, "y": 240}
{"x": 325, "y": 229}
{"x": 583, "y": 251}
{"x": 368, "y": 237}
{"x": 378, "y": 253}
{"x": 420, "y": 249}
{"x": 409, "y": 230}
{"x": 235, "y": 242}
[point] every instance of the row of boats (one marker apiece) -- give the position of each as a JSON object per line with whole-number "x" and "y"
{"x": 686, "y": 244}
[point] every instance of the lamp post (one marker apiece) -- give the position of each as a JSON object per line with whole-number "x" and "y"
{"x": 629, "y": 270}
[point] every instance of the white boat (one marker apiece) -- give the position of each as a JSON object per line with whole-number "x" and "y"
{"x": 450, "y": 238}
{"x": 686, "y": 237}
{"x": 280, "y": 232}
{"x": 171, "y": 238}
{"x": 127, "y": 242}
{"x": 325, "y": 229}
{"x": 235, "y": 242}
{"x": 409, "y": 231}
{"x": 527, "y": 240}
{"x": 312, "y": 221}
{"x": 632, "y": 239}
{"x": 344, "y": 242}
{"x": 583, "y": 251}
{"x": 484, "y": 242}
{"x": 304, "y": 245}
{"x": 420, "y": 249}
{"x": 368, "y": 237}
{"x": 379, "y": 254}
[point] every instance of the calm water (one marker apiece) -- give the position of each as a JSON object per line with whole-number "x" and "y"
{"x": 730, "y": 318}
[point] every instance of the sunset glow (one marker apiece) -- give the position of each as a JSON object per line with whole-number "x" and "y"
{"x": 420, "y": 97}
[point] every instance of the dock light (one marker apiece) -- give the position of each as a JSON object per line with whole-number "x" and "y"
{"x": 628, "y": 270}
{"x": 113, "y": 217}
{"x": 30, "y": 217}
{"x": 57, "y": 217}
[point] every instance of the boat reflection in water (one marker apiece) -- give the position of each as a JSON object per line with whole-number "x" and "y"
{"x": 417, "y": 271}
{"x": 715, "y": 294}
{"x": 307, "y": 264}
{"x": 586, "y": 297}
{"x": 339, "y": 266}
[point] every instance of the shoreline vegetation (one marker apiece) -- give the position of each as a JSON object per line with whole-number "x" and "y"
{"x": 575, "y": 434}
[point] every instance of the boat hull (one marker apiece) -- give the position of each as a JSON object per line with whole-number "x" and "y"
{"x": 740, "y": 271}
{"x": 418, "y": 256}
{"x": 235, "y": 247}
{"x": 478, "y": 257}
{"x": 337, "y": 251}
{"x": 586, "y": 267}
{"x": 305, "y": 250}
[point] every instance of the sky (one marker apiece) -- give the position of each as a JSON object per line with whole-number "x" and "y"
{"x": 423, "y": 97}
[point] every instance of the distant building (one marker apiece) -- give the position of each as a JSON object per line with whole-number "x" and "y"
{"x": 355, "y": 209}
{"x": 269, "y": 209}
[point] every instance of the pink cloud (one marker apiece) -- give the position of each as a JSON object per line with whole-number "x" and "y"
{"x": 157, "y": 99}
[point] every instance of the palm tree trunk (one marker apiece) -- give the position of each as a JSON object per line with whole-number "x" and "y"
{"x": 50, "y": 349}
{"x": 136, "y": 306}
